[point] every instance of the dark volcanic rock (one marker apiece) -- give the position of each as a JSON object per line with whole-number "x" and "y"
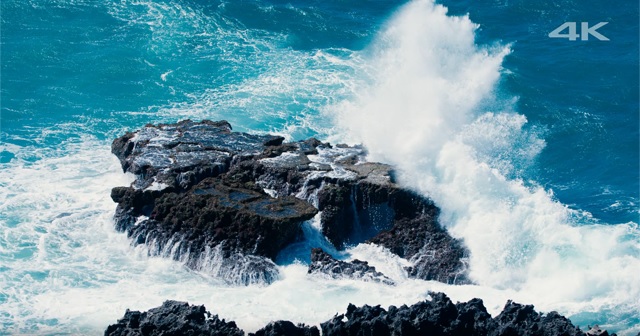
{"x": 434, "y": 253}
{"x": 517, "y": 319}
{"x": 227, "y": 202}
{"x": 230, "y": 232}
{"x": 438, "y": 316}
{"x": 323, "y": 263}
{"x": 173, "y": 318}
{"x": 286, "y": 328}
{"x": 176, "y": 318}
{"x": 374, "y": 209}
{"x": 441, "y": 317}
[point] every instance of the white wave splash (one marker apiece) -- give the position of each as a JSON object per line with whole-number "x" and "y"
{"x": 428, "y": 111}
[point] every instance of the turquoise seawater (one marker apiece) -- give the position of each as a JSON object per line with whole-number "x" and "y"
{"x": 529, "y": 144}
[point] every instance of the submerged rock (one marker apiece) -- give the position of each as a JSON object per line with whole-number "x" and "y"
{"x": 323, "y": 263}
{"x": 227, "y": 202}
{"x": 437, "y": 316}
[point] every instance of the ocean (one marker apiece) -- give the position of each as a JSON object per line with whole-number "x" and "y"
{"x": 528, "y": 143}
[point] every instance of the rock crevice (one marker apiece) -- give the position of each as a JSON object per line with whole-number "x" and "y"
{"x": 323, "y": 263}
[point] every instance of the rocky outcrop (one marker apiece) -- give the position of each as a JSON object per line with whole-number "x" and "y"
{"x": 171, "y": 319}
{"x": 193, "y": 202}
{"x": 437, "y": 316}
{"x": 227, "y": 202}
{"x": 323, "y": 263}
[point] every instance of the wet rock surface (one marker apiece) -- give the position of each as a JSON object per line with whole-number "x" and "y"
{"x": 436, "y": 316}
{"x": 434, "y": 253}
{"x": 227, "y": 202}
{"x": 323, "y": 263}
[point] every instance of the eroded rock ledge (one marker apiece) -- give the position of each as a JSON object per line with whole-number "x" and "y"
{"x": 228, "y": 202}
{"x": 323, "y": 263}
{"x": 437, "y": 316}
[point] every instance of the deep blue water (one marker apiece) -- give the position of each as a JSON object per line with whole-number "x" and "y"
{"x": 584, "y": 93}
{"x": 75, "y": 74}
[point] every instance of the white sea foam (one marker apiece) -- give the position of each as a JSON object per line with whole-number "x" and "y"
{"x": 157, "y": 185}
{"x": 65, "y": 269}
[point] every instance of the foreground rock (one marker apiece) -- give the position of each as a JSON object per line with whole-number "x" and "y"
{"x": 323, "y": 263}
{"x": 228, "y": 202}
{"x": 176, "y": 318}
{"x": 438, "y": 316}
{"x": 173, "y": 318}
